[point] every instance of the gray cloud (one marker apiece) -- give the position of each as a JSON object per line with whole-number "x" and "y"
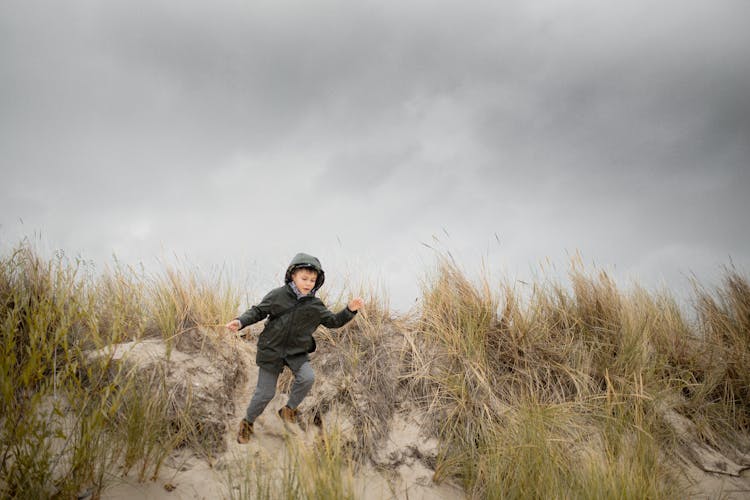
{"x": 247, "y": 131}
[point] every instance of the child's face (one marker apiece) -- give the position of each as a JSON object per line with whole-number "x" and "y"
{"x": 304, "y": 279}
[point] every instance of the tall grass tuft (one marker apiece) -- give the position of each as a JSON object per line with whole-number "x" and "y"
{"x": 54, "y": 414}
{"x": 718, "y": 388}
{"x": 121, "y": 304}
{"x": 362, "y": 361}
{"x": 559, "y": 392}
{"x": 182, "y": 300}
{"x": 71, "y": 411}
{"x": 320, "y": 470}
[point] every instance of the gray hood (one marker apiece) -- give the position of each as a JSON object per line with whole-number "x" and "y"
{"x": 307, "y": 261}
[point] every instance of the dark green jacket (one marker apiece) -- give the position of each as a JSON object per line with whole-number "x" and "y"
{"x": 287, "y": 337}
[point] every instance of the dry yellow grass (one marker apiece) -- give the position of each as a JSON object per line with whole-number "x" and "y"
{"x": 560, "y": 393}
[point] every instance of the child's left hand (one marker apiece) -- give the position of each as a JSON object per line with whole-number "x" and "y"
{"x": 356, "y": 304}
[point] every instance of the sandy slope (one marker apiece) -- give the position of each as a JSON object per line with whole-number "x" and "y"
{"x": 185, "y": 475}
{"x": 399, "y": 468}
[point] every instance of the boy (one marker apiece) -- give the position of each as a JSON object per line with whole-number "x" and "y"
{"x": 294, "y": 312}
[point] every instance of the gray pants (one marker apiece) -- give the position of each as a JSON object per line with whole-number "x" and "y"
{"x": 266, "y": 390}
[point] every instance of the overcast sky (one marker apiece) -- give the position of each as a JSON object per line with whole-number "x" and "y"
{"x": 241, "y": 132}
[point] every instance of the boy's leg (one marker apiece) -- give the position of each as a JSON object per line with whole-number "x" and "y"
{"x": 303, "y": 382}
{"x": 264, "y": 393}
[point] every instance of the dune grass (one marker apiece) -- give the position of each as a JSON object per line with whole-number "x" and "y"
{"x": 563, "y": 395}
{"x": 70, "y": 414}
{"x": 320, "y": 470}
{"x": 556, "y": 390}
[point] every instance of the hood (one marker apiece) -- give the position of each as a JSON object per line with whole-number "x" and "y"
{"x": 305, "y": 260}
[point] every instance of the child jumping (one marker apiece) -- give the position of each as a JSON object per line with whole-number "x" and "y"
{"x": 294, "y": 312}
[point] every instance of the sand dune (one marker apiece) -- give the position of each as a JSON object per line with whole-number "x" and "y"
{"x": 402, "y": 466}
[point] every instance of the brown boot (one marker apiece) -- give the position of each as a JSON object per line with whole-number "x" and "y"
{"x": 246, "y": 431}
{"x": 288, "y": 415}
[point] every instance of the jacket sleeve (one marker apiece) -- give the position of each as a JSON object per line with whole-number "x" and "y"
{"x": 331, "y": 320}
{"x": 256, "y": 312}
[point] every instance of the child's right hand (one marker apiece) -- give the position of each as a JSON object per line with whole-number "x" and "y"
{"x": 233, "y": 325}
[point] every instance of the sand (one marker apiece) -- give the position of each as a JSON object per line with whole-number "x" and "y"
{"x": 398, "y": 473}
{"x": 400, "y": 469}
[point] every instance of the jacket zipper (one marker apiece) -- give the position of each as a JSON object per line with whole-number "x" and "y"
{"x": 289, "y": 326}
